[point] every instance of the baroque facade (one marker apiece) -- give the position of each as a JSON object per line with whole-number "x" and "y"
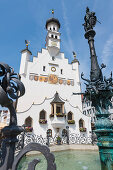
{"x": 50, "y": 81}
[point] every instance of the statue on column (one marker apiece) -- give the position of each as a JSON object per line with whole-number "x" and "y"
{"x": 90, "y": 20}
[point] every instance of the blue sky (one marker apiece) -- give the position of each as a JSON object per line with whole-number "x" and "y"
{"x": 25, "y": 19}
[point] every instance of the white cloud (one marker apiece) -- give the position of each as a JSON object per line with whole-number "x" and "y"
{"x": 69, "y": 44}
{"x": 107, "y": 52}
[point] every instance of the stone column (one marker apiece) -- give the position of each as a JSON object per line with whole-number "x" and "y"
{"x": 63, "y": 108}
{"x": 54, "y": 108}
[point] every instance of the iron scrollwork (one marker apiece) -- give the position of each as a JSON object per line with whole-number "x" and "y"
{"x": 36, "y": 147}
{"x": 73, "y": 139}
{"x": 11, "y": 88}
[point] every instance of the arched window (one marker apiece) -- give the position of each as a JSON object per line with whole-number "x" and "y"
{"x": 81, "y": 123}
{"x": 28, "y": 121}
{"x": 56, "y": 36}
{"x": 52, "y": 36}
{"x": 70, "y": 116}
{"x": 49, "y": 133}
{"x": 54, "y": 28}
{"x": 64, "y": 133}
{"x": 43, "y": 115}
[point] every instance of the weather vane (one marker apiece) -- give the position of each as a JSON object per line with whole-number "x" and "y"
{"x": 27, "y": 43}
{"x": 52, "y": 12}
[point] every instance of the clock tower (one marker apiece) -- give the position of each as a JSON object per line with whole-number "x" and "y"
{"x": 53, "y": 36}
{"x": 50, "y": 81}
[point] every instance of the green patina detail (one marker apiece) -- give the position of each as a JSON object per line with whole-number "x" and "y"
{"x": 99, "y": 90}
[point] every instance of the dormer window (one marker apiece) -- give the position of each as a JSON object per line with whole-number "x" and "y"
{"x": 57, "y": 106}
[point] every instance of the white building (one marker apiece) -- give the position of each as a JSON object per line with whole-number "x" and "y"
{"x": 50, "y": 82}
{"x": 89, "y": 111}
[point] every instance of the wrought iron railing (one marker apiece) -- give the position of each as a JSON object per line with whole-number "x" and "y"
{"x": 73, "y": 139}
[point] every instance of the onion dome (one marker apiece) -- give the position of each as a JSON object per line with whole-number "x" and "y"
{"x": 52, "y": 20}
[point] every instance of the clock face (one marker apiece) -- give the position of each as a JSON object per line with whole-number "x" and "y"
{"x": 53, "y": 79}
{"x": 53, "y": 69}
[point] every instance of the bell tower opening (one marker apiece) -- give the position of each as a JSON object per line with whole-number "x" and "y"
{"x": 53, "y": 36}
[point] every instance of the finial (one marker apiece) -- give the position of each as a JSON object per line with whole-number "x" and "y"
{"x": 27, "y": 43}
{"x": 74, "y": 54}
{"x": 52, "y": 12}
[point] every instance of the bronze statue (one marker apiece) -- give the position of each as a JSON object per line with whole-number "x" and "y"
{"x": 90, "y": 20}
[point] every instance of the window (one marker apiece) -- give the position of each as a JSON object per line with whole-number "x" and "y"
{"x": 88, "y": 104}
{"x": 28, "y": 122}
{"x": 61, "y": 71}
{"x": 64, "y": 133}
{"x": 49, "y": 133}
{"x": 84, "y": 112}
{"x": 53, "y": 28}
{"x": 44, "y": 68}
{"x": 51, "y": 36}
{"x": 58, "y": 109}
{"x": 81, "y": 123}
{"x": 50, "y": 28}
{"x": 93, "y": 110}
{"x": 56, "y": 36}
{"x": 69, "y": 116}
{"x": 42, "y": 114}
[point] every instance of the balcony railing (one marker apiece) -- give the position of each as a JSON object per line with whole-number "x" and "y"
{"x": 60, "y": 114}
{"x": 71, "y": 122}
{"x": 57, "y": 114}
